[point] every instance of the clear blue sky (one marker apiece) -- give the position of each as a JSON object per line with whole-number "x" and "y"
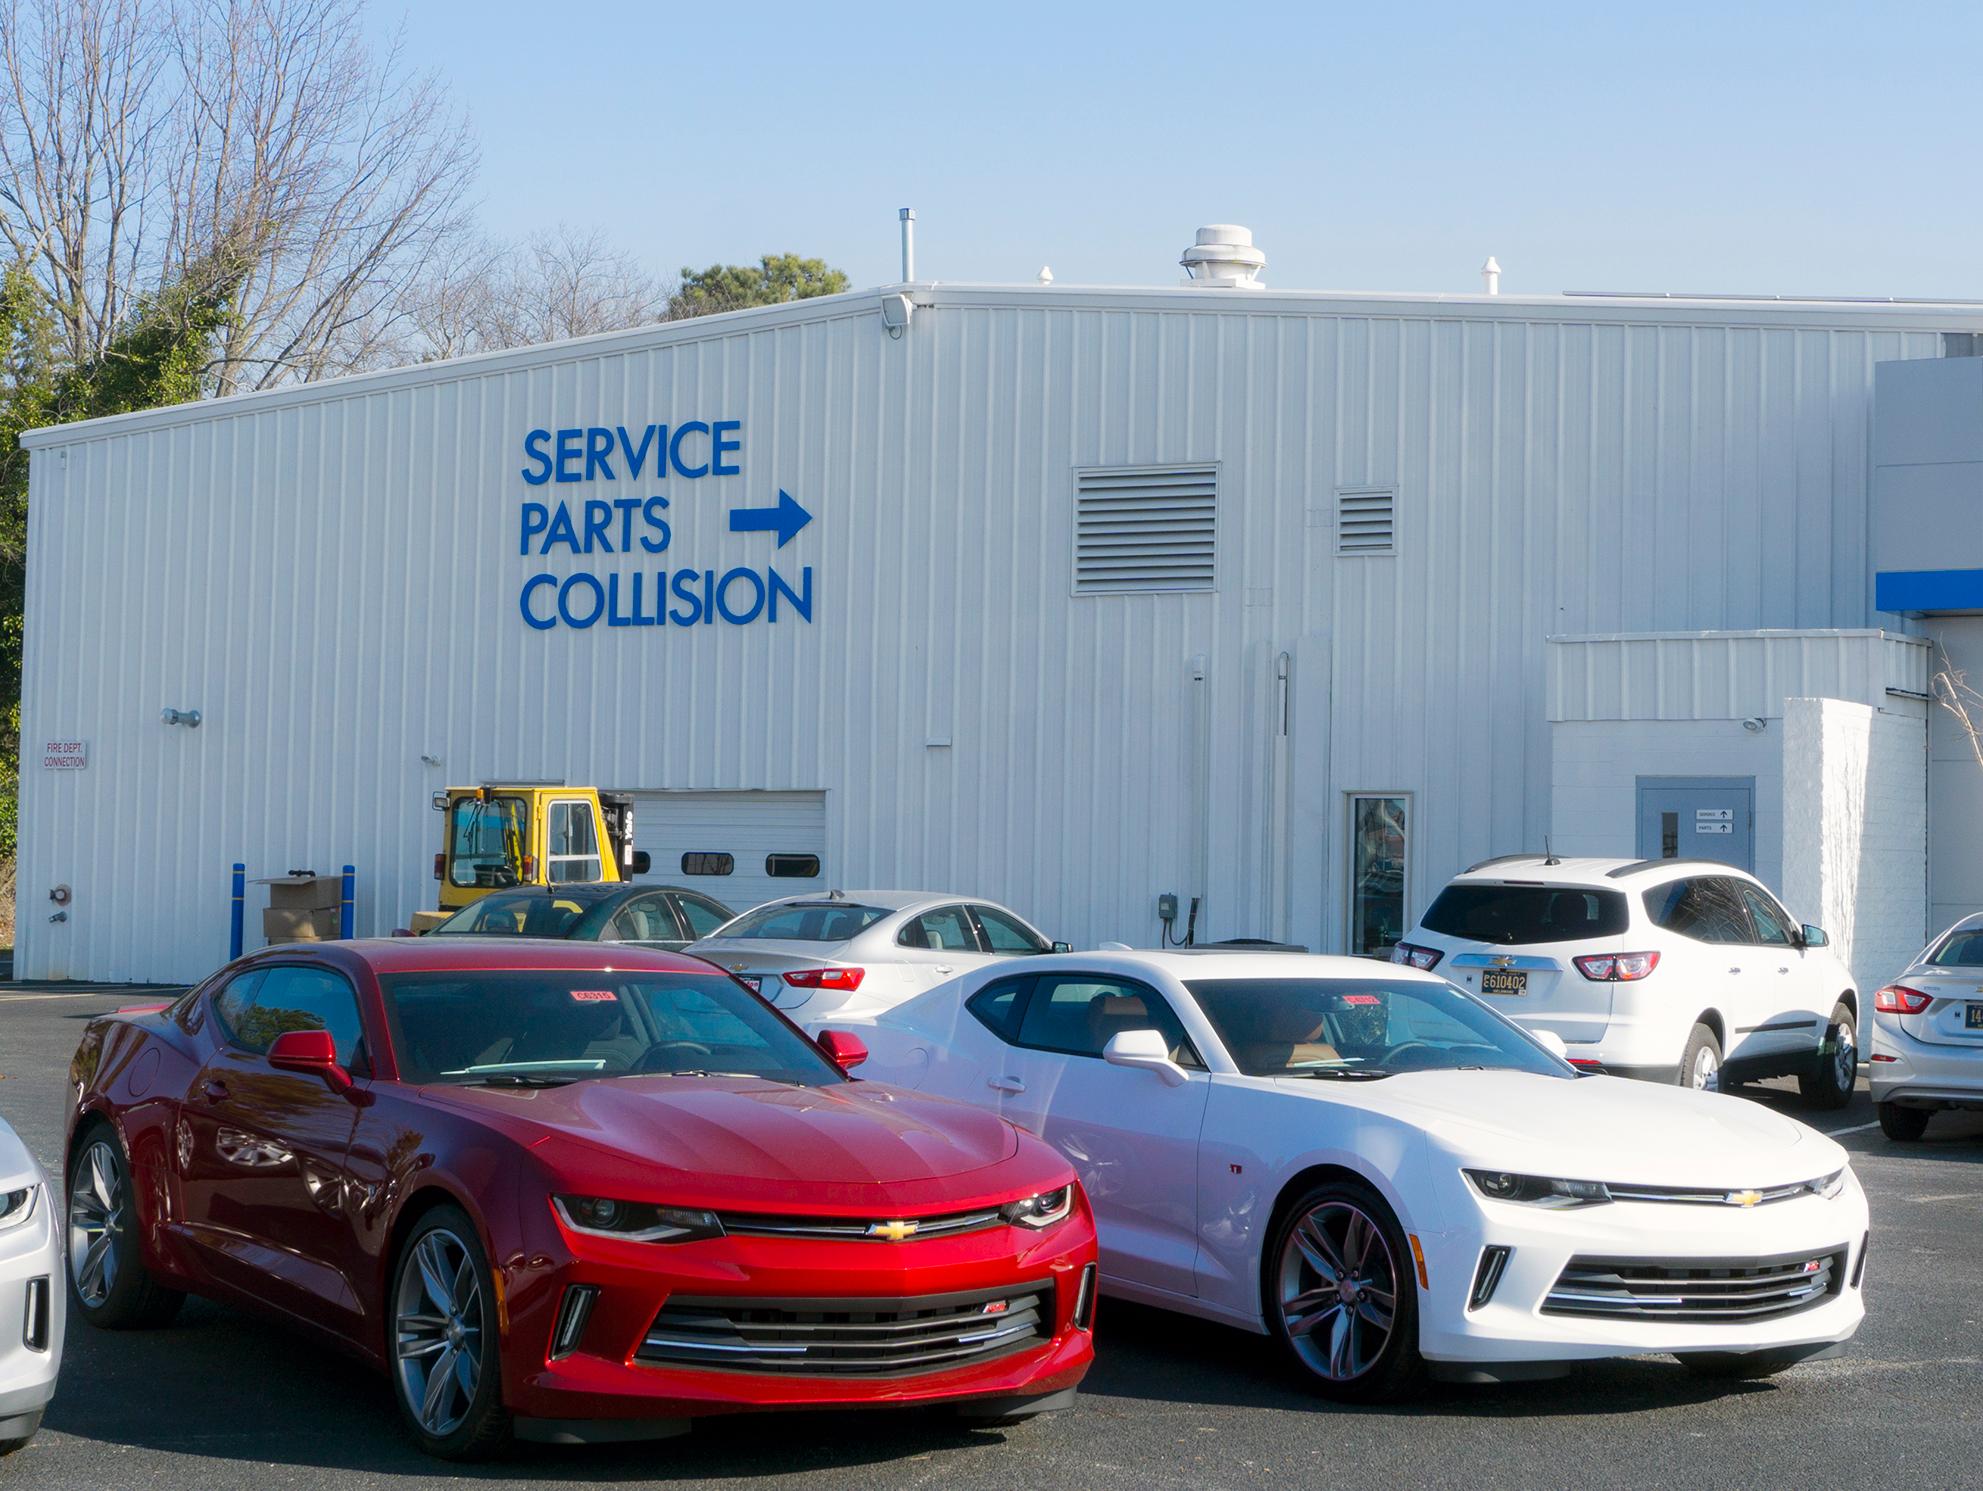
{"x": 1768, "y": 147}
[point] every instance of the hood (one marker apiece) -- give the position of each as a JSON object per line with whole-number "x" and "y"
{"x": 15, "y": 1161}
{"x": 738, "y": 1142}
{"x": 1601, "y": 1128}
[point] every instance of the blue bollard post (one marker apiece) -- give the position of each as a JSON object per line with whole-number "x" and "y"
{"x": 347, "y": 909}
{"x": 239, "y": 895}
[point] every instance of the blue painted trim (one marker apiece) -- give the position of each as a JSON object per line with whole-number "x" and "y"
{"x": 1918, "y": 590}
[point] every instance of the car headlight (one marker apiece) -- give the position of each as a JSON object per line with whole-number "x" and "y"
{"x": 1042, "y": 1210}
{"x": 17, "y": 1206}
{"x": 1828, "y": 1187}
{"x": 1538, "y": 1190}
{"x": 636, "y": 1221}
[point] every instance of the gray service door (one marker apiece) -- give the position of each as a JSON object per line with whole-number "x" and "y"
{"x": 1698, "y": 818}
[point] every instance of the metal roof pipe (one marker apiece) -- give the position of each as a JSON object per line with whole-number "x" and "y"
{"x": 908, "y": 216}
{"x": 1490, "y": 276}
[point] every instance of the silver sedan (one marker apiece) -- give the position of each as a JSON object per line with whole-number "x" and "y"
{"x": 852, "y": 954}
{"x": 1928, "y": 1034}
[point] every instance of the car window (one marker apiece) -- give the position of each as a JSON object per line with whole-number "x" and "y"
{"x": 946, "y": 929}
{"x": 1962, "y": 949}
{"x": 1509, "y": 914}
{"x": 1007, "y": 935}
{"x": 298, "y": 998}
{"x": 702, "y": 916}
{"x": 235, "y": 1000}
{"x": 1707, "y": 908}
{"x": 806, "y": 921}
{"x": 1077, "y": 1014}
{"x": 1772, "y": 926}
{"x": 644, "y": 919}
{"x": 997, "y": 1006}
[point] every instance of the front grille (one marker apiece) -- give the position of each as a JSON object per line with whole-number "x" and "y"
{"x": 1702, "y": 1196}
{"x": 860, "y": 1229}
{"x": 850, "y": 1337}
{"x": 1702, "y": 1292}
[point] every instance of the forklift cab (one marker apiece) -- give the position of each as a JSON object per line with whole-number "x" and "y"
{"x": 501, "y": 835}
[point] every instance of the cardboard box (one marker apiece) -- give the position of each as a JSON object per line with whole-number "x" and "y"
{"x": 425, "y": 921}
{"x": 304, "y": 892}
{"x": 285, "y": 924}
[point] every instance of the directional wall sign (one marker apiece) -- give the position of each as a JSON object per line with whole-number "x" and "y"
{"x": 786, "y": 519}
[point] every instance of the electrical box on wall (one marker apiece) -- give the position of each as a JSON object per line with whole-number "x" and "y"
{"x": 1167, "y": 907}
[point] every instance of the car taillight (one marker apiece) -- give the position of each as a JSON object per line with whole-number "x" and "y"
{"x": 1898, "y": 999}
{"x": 826, "y": 978}
{"x": 440, "y": 866}
{"x": 1424, "y": 959}
{"x": 1616, "y": 968}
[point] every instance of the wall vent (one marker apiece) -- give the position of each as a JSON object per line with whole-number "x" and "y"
{"x": 1145, "y": 528}
{"x": 1366, "y": 520}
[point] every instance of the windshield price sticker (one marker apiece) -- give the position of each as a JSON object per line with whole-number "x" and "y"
{"x": 595, "y": 996}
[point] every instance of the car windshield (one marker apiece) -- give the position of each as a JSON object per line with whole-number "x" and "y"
{"x": 556, "y": 1026}
{"x": 1508, "y": 914}
{"x": 1963, "y": 949}
{"x": 1351, "y": 1029}
{"x": 805, "y": 921}
{"x": 518, "y": 914}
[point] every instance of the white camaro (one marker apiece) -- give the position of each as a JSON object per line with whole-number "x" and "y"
{"x": 1389, "y": 1177}
{"x": 32, "y": 1300}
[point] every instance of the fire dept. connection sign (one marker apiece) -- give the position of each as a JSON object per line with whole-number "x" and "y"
{"x": 65, "y": 755}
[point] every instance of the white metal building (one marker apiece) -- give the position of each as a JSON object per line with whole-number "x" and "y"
{"x": 1070, "y": 597}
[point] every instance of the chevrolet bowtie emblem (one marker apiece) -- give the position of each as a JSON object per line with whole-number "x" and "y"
{"x": 893, "y": 1231}
{"x": 1504, "y": 962}
{"x": 1743, "y": 1198}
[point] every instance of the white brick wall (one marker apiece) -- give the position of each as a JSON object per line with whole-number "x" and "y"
{"x": 1855, "y": 831}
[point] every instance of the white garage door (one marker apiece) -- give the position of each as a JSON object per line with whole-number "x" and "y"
{"x": 739, "y": 847}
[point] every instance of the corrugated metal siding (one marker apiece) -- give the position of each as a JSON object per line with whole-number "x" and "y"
{"x": 332, "y": 580}
{"x": 1727, "y": 676}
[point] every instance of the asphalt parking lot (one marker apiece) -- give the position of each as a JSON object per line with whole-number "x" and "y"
{"x": 220, "y": 1400}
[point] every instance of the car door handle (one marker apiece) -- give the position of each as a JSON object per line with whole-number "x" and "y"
{"x": 1006, "y": 1084}
{"x": 215, "y": 1091}
{"x": 945, "y": 968}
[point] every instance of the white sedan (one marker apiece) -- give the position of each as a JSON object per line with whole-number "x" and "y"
{"x": 32, "y": 1301}
{"x": 851, "y": 954}
{"x": 1392, "y": 1179}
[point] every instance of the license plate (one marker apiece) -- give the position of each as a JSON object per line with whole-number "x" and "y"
{"x": 1973, "y": 1017}
{"x": 1501, "y": 981}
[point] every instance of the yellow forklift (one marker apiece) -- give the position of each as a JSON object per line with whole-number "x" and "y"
{"x": 501, "y": 835}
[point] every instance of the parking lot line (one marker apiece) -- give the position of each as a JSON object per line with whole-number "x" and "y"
{"x": 1857, "y": 1128}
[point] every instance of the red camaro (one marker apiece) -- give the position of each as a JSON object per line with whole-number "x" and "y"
{"x": 570, "y": 1192}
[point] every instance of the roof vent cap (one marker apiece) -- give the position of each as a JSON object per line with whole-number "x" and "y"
{"x": 1224, "y": 255}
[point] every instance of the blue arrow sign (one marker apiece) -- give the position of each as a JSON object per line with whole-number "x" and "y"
{"x": 786, "y": 519}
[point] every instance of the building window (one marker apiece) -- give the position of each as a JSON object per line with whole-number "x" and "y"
{"x": 708, "y": 862}
{"x": 1379, "y": 869}
{"x": 791, "y": 866}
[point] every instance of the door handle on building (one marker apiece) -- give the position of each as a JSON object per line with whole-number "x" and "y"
{"x": 1006, "y": 1084}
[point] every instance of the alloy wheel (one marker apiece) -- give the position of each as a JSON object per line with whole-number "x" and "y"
{"x": 1338, "y": 1290}
{"x": 438, "y": 1321}
{"x": 1706, "y": 1074}
{"x": 1845, "y": 1055}
{"x": 96, "y": 1222}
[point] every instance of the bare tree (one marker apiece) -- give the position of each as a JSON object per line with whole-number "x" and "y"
{"x": 256, "y": 140}
{"x": 557, "y": 284}
{"x": 1953, "y": 691}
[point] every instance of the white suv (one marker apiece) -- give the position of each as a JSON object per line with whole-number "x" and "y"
{"x": 1666, "y": 969}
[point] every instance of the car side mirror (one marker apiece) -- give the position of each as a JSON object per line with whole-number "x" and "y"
{"x": 312, "y": 1053}
{"x": 1815, "y": 936}
{"x": 1146, "y": 1050}
{"x": 641, "y": 862}
{"x": 1551, "y": 1042}
{"x": 843, "y": 1050}
{"x": 1063, "y": 947}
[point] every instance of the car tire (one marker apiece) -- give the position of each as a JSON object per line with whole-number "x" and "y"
{"x": 1700, "y": 1060}
{"x": 108, "y": 1282}
{"x": 1835, "y": 1071}
{"x": 1903, "y": 1124}
{"x": 1343, "y": 1230}
{"x": 444, "y": 1341}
